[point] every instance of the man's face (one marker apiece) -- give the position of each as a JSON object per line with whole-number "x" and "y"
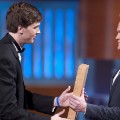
{"x": 30, "y": 33}
{"x": 118, "y": 36}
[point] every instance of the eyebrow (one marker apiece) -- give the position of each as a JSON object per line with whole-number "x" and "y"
{"x": 36, "y": 26}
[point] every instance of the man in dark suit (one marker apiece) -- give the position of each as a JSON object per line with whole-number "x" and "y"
{"x": 22, "y": 22}
{"x": 94, "y": 112}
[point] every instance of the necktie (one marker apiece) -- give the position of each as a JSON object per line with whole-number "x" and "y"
{"x": 21, "y": 50}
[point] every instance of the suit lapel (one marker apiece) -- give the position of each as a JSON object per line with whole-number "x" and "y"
{"x": 14, "y": 51}
{"x": 7, "y": 41}
{"x": 113, "y": 87}
{"x": 111, "y": 81}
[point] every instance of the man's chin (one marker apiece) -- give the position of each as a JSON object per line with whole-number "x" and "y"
{"x": 32, "y": 41}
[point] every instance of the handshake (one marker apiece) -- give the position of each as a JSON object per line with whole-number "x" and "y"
{"x": 68, "y": 99}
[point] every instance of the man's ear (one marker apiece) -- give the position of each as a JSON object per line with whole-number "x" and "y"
{"x": 20, "y": 29}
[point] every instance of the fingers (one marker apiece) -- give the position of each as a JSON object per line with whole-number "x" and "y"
{"x": 74, "y": 97}
{"x": 60, "y": 113}
{"x": 86, "y": 98}
{"x": 69, "y": 87}
{"x": 67, "y": 90}
{"x": 72, "y": 104}
{"x": 85, "y": 95}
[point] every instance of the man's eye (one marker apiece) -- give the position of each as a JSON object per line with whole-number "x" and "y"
{"x": 36, "y": 27}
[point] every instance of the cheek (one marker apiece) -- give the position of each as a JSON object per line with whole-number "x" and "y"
{"x": 33, "y": 32}
{"x": 30, "y": 31}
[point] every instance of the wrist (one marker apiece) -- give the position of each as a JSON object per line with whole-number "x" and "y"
{"x": 85, "y": 106}
{"x": 57, "y": 102}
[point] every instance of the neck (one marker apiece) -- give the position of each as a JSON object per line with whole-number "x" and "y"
{"x": 16, "y": 38}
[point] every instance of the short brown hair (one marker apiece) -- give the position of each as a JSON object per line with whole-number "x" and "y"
{"x": 23, "y": 14}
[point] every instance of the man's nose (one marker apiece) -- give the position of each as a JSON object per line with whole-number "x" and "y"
{"x": 38, "y": 31}
{"x": 117, "y": 37}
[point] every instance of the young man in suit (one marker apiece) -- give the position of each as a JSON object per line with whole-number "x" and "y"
{"x": 112, "y": 112}
{"x": 22, "y": 22}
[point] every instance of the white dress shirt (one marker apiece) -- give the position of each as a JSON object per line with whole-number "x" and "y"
{"x": 19, "y": 55}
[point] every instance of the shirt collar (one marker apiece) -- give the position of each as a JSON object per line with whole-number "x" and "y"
{"x": 17, "y": 46}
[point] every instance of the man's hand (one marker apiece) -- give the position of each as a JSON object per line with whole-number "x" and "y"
{"x": 57, "y": 116}
{"x": 86, "y": 96}
{"x": 63, "y": 98}
{"x": 78, "y": 103}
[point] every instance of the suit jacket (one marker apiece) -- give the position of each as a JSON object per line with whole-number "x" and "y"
{"x": 14, "y": 98}
{"x": 112, "y": 112}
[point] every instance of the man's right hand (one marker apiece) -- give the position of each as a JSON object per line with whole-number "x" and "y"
{"x": 78, "y": 103}
{"x": 57, "y": 116}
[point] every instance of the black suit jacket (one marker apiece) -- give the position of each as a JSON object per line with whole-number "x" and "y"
{"x": 14, "y": 98}
{"x": 112, "y": 112}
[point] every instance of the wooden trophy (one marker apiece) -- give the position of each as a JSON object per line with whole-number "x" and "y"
{"x": 79, "y": 85}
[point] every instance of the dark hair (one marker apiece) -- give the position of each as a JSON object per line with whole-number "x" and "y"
{"x": 23, "y": 14}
